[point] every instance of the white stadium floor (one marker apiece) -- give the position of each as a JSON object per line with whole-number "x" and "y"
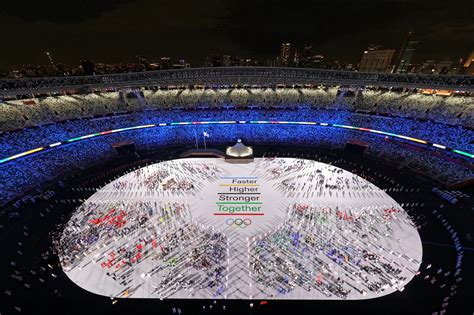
{"x": 274, "y": 228}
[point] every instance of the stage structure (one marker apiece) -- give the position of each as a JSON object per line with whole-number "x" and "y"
{"x": 239, "y": 153}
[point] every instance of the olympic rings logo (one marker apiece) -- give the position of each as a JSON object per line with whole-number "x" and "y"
{"x": 238, "y": 223}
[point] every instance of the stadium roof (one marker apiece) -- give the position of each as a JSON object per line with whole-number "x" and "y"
{"x": 231, "y": 76}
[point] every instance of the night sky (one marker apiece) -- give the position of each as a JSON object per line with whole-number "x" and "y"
{"x": 118, "y": 30}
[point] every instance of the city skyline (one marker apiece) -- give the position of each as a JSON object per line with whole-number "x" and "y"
{"x": 123, "y": 29}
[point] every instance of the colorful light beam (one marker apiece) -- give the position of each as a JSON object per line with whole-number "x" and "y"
{"x": 226, "y": 122}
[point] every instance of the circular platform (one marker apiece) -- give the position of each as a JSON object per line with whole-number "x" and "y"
{"x": 278, "y": 228}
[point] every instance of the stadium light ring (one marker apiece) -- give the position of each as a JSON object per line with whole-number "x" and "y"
{"x": 58, "y": 144}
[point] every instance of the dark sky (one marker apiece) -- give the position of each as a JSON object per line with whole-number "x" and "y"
{"x": 118, "y": 30}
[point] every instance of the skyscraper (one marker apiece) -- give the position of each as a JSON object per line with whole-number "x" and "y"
{"x": 296, "y": 59}
{"x": 406, "y": 54}
{"x": 376, "y": 60}
{"x": 306, "y": 56}
{"x": 285, "y": 54}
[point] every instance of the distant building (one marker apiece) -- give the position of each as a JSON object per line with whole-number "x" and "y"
{"x": 216, "y": 60}
{"x": 296, "y": 59}
{"x": 444, "y": 66}
{"x": 226, "y": 61}
{"x": 141, "y": 60}
{"x": 457, "y": 67}
{"x": 248, "y": 62}
{"x": 236, "y": 61}
{"x": 165, "y": 63}
{"x": 349, "y": 67}
{"x": 469, "y": 64}
{"x": 285, "y": 54}
{"x": 433, "y": 67}
{"x": 405, "y": 56}
{"x": 181, "y": 65}
{"x": 306, "y": 55}
{"x": 376, "y": 60}
{"x": 317, "y": 61}
{"x": 270, "y": 62}
{"x": 88, "y": 67}
{"x": 428, "y": 67}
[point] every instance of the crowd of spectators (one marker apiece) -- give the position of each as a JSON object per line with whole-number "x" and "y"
{"x": 18, "y": 176}
{"x": 55, "y": 119}
{"x": 457, "y": 110}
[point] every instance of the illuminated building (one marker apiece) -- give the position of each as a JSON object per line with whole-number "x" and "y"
{"x": 469, "y": 64}
{"x": 375, "y": 60}
{"x": 406, "y": 54}
{"x": 285, "y": 54}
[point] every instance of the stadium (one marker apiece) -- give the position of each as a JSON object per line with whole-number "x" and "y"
{"x": 237, "y": 190}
